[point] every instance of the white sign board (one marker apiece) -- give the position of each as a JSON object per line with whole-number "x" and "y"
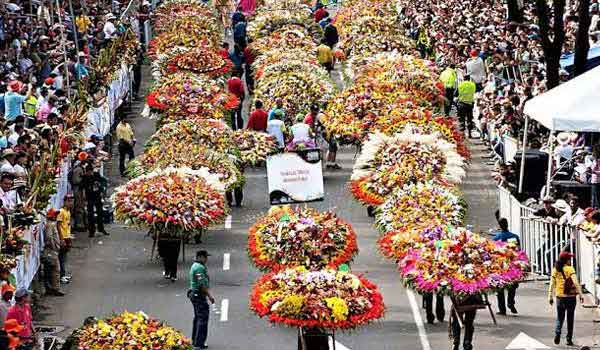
{"x": 294, "y": 179}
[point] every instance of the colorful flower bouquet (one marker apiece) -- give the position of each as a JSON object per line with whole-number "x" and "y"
{"x": 284, "y": 39}
{"x": 187, "y": 94}
{"x": 300, "y": 145}
{"x": 316, "y": 299}
{"x": 13, "y": 242}
{"x": 456, "y": 261}
{"x": 297, "y": 88}
{"x": 7, "y": 262}
{"x": 174, "y": 200}
{"x": 254, "y": 146}
{"x": 420, "y": 204}
{"x": 191, "y": 155}
{"x": 212, "y": 134}
{"x": 286, "y": 238}
{"x": 130, "y": 331}
{"x": 271, "y": 20}
{"x": 167, "y": 10}
{"x": 201, "y": 60}
{"x": 389, "y": 162}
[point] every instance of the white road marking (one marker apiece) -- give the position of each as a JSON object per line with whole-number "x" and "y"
{"x": 224, "y": 310}
{"x": 226, "y": 261}
{"x": 525, "y": 342}
{"x": 338, "y": 345}
{"x": 228, "y": 222}
{"x": 418, "y": 319}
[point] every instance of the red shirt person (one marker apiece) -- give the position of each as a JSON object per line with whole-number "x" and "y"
{"x": 258, "y": 118}
{"x": 236, "y": 87}
{"x": 21, "y": 312}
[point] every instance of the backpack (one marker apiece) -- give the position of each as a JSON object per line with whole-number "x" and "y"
{"x": 569, "y": 287}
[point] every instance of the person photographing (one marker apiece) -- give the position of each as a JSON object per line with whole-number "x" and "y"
{"x": 199, "y": 294}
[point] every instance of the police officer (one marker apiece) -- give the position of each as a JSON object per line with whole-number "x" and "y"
{"x": 448, "y": 78}
{"x": 199, "y": 293}
{"x": 466, "y": 98}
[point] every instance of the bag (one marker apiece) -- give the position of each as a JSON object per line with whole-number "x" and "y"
{"x": 569, "y": 287}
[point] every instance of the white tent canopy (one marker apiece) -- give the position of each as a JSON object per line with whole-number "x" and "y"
{"x": 571, "y": 106}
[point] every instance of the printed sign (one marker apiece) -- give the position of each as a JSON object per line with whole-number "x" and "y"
{"x": 295, "y": 177}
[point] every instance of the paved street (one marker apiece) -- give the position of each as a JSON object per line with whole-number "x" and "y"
{"x": 115, "y": 273}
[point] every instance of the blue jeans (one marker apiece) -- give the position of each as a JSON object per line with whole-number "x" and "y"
{"x": 200, "y": 327}
{"x": 565, "y": 305}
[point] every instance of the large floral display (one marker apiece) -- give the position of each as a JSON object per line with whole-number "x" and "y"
{"x": 387, "y": 162}
{"x": 201, "y": 60}
{"x": 254, "y": 146}
{"x": 130, "y": 331}
{"x": 420, "y": 204}
{"x": 173, "y": 200}
{"x": 324, "y": 299}
{"x": 288, "y": 237}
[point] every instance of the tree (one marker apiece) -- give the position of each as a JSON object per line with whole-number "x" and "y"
{"x": 515, "y": 11}
{"x": 582, "y": 42}
{"x": 552, "y": 37}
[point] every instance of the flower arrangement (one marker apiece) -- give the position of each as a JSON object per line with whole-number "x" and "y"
{"x": 191, "y": 155}
{"x": 286, "y": 238}
{"x": 201, "y": 60}
{"x": 130, "y": 331}
{"x": 419, "y": 204}
{"x": 269, "y": 20}
{"x": 284, "y": 39}
{"x": 388, "y": 162}
{"x": 254, "y": 146}
{"x": 184, "y": 94}
{"x": 297, "y": 88}
{"x": 165, "y": 13}
{"x": 212, "y": 134}
{"x": 7, "y": 262}
{"x": 13, "y": 242}
{"x": 324, "y": 299}
{"x": 457, "y": 261}
{"x": 300, "y": 145}
{"x": 161, "y": 200}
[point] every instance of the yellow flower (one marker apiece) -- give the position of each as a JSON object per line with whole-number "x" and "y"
{"x": 291, "y": 305}
{"x": 338, "y": 307}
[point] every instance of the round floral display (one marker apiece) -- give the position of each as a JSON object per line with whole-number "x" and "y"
{"x": 201, "y": 60}
{"x": 323, "y": 299}
{"x": 420, "y": 204}
{"x": 389, "y": 162}
{"x": 254, "y": 146}
{"x": 456, "y": 261}
{"x": 174, "y": 200}
{"x": 130, "y": 331}
{"x": 288, "y": 237}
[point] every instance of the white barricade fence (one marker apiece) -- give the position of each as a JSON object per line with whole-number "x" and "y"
{"x": 543, "y": 241}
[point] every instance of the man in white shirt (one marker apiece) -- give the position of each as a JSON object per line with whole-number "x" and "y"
{"x": 18, "y": 131}
{"x": 476, "y": 69}
{"x": 300, "y": 130}
{"x": 8, "y": 196}
{"x": 109, "y": 29}
{"x": 276, "y": 128}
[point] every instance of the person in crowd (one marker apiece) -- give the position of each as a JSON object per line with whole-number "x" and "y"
{"x": 236, "y": 86}
{"x": 565, "y": 288}
{"x": 8, "y": 164}
{"x": 75, "y": 177}
{"x": 466, "y": 309}
{"x": 7, "y": 291}
{"x": 574, "y": 213}
{"x": 126, "y": 140}
{"x": 64, "y": 224}
{"x": 21, "y": 312}
{"x": 276, "y": 128}
{"x": 237, "y": 58}
{"x": 300, "y": 131}
{"x": 258, "y": 118}
{"x": 109, "y": 29}
{"x": 239, "y": 34}
{"x": 466, "y": 98}
{"x": 277, "y": 109}
{"x": 595, "y": 176}
{"x": 198, "y": 294}
{"x": 8, "y": 195}
{"x": 504, "y": 235}
{"x": 330, "y": 34}
{"x": 332, "y": 153}
{"x": 52, "y": 246}
{"x": 224, "y": 51}
{"x": 312, "y": 119}
{"x": 249, "y": 56}
{"x": 13, "y": 100}
{"x": 449, "y": 78}
{"x": 168, "y": 250}
{"x": 94, "y": 185}
{"x": 475, "y": 68}
{"x": 548, "y": 212}
{"x": 440, "y": 311}
{"x": 325, "y": 56}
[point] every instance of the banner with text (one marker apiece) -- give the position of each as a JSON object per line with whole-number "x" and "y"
{"x": 295, "y": 177}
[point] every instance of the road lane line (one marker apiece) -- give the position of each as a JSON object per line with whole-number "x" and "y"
{"x": 338, "y": 345}
{"x": 418, "y": 320}
{"x": 224, "y": 310}
{"x": 228, "y": 222}
{"x": 226, "y": 261}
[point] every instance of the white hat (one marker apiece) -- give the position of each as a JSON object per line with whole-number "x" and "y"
{"x": 563, "y": 138}
{"x": 561, "y": 205}
{"x": 109, "y": 16}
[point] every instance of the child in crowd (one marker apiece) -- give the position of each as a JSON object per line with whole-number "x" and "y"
{"x": 64, "y": 231}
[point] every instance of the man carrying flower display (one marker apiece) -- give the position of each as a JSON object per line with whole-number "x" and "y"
{"x": 440, "y": 311}
{"x": 466, "y": 309}
{"x": 504, "y": 235}
{"x": 126, "y": 139}
{"x": 198, "y": 293}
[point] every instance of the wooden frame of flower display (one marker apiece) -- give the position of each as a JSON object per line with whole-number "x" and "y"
{"x": 316, "y": 299}
{"x": 286, "y": 238}
{"x": 387, "y": 162}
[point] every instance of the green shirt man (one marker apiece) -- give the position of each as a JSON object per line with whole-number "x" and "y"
{"x": 199, "y": 280}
